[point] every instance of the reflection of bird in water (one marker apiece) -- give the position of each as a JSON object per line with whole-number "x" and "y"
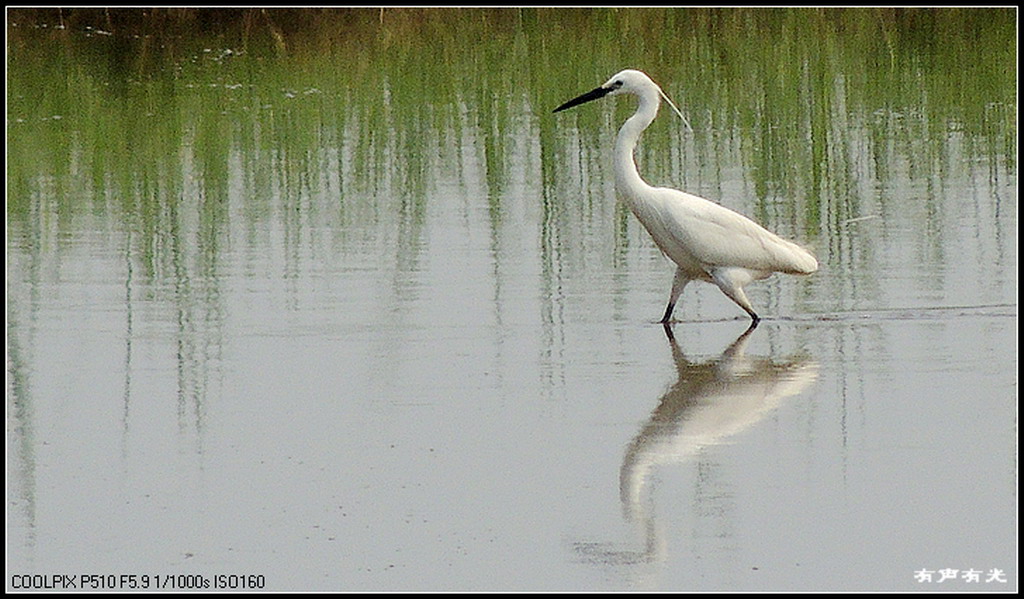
{"x": 711, "y": 402}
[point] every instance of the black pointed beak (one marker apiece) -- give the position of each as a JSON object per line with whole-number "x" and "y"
{"x": 593, "y": 94}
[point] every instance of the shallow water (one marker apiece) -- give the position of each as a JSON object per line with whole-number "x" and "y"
{"x": 352, "y": 317}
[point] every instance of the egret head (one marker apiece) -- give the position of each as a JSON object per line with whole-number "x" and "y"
{"x": 629, "y": 81}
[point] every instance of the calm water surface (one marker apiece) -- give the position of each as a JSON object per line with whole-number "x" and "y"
{"x": 349, "y": 308}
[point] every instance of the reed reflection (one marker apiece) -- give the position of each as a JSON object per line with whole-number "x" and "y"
{"x": 711, "y": 403}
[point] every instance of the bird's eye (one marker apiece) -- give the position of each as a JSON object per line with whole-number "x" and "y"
{"x": 617, "y": 84}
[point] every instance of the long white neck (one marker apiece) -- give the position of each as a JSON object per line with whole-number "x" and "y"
{"x": 627, "y": 179}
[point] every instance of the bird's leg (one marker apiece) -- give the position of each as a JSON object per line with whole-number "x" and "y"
{"x": 668, "y": 314}
{"x": 678, "y": 284}
{"x": 731, "y": 281}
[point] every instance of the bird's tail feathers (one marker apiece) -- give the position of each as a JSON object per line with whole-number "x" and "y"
{"x": 800, "y": 261}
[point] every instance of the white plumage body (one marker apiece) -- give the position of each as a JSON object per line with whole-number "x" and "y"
{"x": 700, "y": 236}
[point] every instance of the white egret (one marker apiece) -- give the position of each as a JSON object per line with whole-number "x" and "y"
{"x": 707, "y": 241}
